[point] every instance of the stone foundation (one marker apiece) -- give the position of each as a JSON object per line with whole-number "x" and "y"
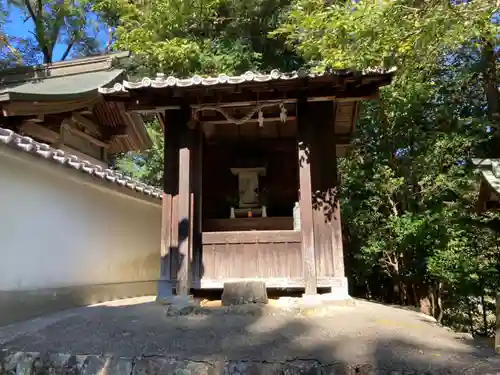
{"x": 20, "y": 363}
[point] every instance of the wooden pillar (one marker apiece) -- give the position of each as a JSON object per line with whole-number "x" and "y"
{"x": 185, "y": 219}
{"x": 196, "y": 198}
{"x": 326, "y": 207}
{"x": 169, "y": 217}
{"x": 304, "y": 139}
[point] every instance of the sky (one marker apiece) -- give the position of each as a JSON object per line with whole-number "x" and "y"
{"x": 15, "y": 26}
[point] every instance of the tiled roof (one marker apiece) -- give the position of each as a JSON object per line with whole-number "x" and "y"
{"x": 490, "y": 170}
{"x": 162, "y": 81}
{"x": 65, "y": 80}
{"x": 28, "y": 145}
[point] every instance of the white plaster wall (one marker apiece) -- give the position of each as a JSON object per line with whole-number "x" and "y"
{"x": 55, "y": 232}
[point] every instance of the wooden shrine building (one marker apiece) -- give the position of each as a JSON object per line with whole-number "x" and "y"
{"x": 59, "y": 104}
{"x": 250, "y": 183}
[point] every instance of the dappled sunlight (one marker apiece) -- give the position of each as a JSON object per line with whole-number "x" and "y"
{"x": 126, "y": 302}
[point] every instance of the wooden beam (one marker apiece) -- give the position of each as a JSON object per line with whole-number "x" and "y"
{"x": 169, "y": 230}
{"x": 161, "y": 120}
{"x": 245, "y": 104}
{"x": 38, "y": 118}
{"x": 252, "y": 120}
{"x": 304, "y": 138}
{"x": 155, "y": 110}
{"x": 39, "y": 131}
{"x": 185, "y": 220}
{"x": 157, "y": 99}
{"x": 86, "y": 123}
{"x": 88, "y": 137}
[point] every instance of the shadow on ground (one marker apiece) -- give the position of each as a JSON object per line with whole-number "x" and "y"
{"x": 366, "y": 336}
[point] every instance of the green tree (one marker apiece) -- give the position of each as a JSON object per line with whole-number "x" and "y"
{"x": 411, "y": 35}
{"x": 56, "y": 22}
{"x": 199, "y": 36}
{"x": 408, "y": 186}
{"x": 145, "y": 166}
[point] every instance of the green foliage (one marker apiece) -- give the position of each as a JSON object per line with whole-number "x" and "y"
{"x": 145, "y": 166}
{"x": 408, "y": 186}
{"x": 55, "y": 22}
{"x": 374, "y": 33}
{"x": 198, "y": 36}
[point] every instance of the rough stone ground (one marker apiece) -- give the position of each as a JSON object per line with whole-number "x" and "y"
{"x": 386, "y": 338}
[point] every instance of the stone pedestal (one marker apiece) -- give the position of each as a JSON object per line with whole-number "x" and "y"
{"x": 339, "y": 289}
{"x": 338, "y": 294}
{"x": 238, "y": 293}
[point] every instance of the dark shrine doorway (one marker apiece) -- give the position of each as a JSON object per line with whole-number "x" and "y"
{"x": 250, "y": 174}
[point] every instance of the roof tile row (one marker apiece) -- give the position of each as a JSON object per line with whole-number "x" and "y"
{"x": 162, "y": 81}
{"x": 28, "y": 145}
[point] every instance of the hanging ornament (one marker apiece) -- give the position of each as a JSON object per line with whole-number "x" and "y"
{"x": 261, "y": 119}
{"x": 283, "y": 113}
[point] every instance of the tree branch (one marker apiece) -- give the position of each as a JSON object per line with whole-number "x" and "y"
{"x": 110, "y": 40}
{"x": 31, "y": 11}
{"x": 66, "y": 52}
{"x": 39, "y": 31}
{"x": 390, "y": 263}
{"x": 393, "y": 205}
{"x": 12, "y": 49}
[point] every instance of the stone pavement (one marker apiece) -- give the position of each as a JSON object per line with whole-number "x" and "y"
{"x": 368, "y": 337}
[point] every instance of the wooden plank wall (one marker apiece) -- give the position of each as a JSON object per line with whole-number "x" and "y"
{"x": 248, "y": 223}
{"x": 266, "y": 254}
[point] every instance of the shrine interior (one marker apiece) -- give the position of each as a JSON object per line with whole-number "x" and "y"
{"x": 250, "y": 171}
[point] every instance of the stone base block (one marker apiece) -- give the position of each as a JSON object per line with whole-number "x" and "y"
{"x": 338, "y": 290}
{"x": 164, "y": 291}
{"x": 311, "y": 300}
{"x": 338, "y": 295}
{"x": 238, "y": 293}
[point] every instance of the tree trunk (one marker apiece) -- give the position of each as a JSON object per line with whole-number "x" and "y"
{"x": 439, "y": 299}
{"x": 414, "y": 295}
{"x": 403, "y": 294}
{"x": 485, "y": 320}
{"x": 432, "y": 298}
{"x": 470, "y": 312}
{"x": 368, "y": 290}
